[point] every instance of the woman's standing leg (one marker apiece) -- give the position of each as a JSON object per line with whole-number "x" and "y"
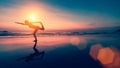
{"x": 34, "y": 34}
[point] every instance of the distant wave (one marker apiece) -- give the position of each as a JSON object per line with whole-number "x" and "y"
{"x": 57, "y": 33}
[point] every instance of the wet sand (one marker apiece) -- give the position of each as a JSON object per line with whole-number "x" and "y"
{"x": 89, "y": 51}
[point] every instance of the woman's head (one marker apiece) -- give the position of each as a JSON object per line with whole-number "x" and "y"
{"x": 26, "y": 22}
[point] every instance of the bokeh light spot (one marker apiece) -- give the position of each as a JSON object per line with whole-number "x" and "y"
{"x": 78, "y": 42}
{"x": 94, "y": 50}
{"x": 106, "y": 55}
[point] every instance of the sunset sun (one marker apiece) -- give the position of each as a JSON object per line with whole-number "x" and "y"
{"x": 32, "y": 18}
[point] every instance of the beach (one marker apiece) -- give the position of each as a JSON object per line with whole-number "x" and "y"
{"x": 75, "y": 51}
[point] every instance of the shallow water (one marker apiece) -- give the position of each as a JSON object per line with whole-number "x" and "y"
{"x": 89, "y": 51}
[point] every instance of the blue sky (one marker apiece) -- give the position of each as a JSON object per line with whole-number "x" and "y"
{"x": 88, "y": 7}
{"x": 93, "y": 13}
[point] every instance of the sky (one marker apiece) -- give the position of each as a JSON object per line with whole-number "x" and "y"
{"x": 59, "y": 14}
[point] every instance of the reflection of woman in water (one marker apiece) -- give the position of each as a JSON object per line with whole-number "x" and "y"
{"x": 30, "y": 25}
{"x": 32, "y": 56}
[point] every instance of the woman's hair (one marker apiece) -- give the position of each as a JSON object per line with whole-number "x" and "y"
{"x": 26, "y": 22}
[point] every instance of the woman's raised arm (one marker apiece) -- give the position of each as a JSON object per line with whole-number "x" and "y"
{"x": 20, "y": 23}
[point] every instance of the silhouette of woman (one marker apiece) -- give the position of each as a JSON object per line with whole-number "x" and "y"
{"x": 30, "y": 25}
